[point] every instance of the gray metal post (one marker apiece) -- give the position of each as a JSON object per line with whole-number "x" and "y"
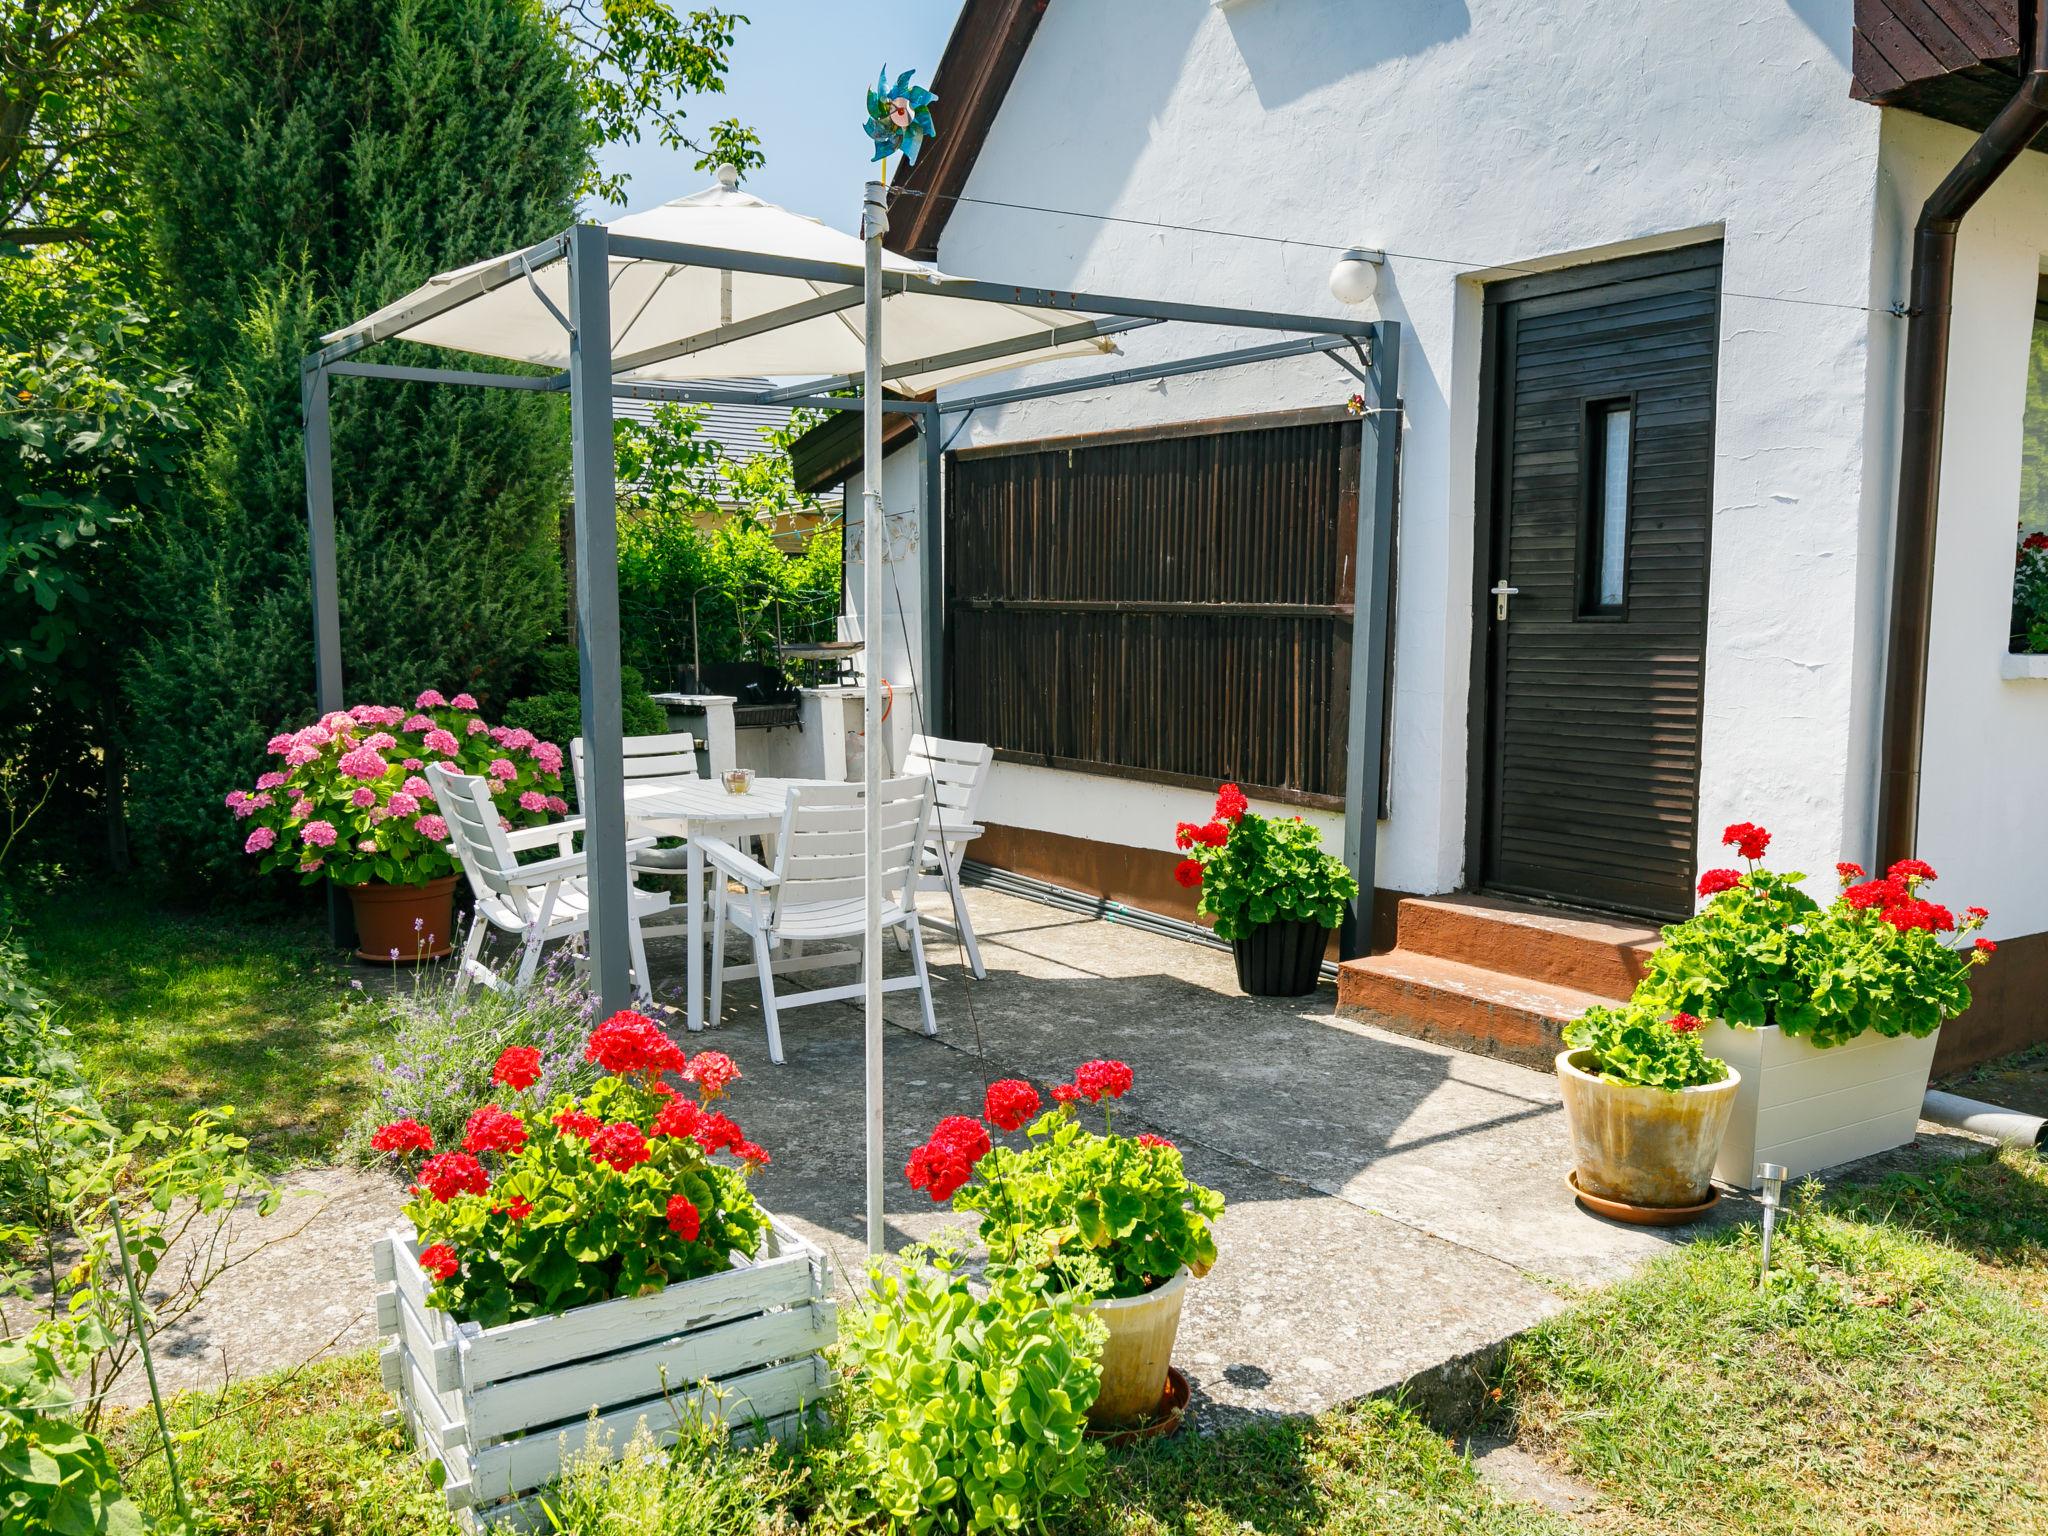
{"x": 1372, "y": 632}
{"x": 932, "y": 573}
{"x": 597, "y": 611}
{"x": 874, "y": 549}
{"x": 314, "y": 405}
{"x": 315, "y": 409}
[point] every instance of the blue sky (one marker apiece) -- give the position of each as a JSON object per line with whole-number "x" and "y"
{"x": 800, "y": 73}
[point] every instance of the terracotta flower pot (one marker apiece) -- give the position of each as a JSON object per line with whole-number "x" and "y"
{"x": 1281, "y": 959}
{"x": 1644, "y": 1146}
{"x": 386, "y": 914}
{"x": 1136, "y": 1353}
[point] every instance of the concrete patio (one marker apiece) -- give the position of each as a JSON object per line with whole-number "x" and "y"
{"x": 1395, "y": 1206}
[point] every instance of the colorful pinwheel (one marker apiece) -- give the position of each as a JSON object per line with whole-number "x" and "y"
{"x": 899, "y": 119}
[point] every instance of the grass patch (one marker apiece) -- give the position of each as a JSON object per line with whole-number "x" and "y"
{"x": 1893, "y": 1378}
{"x": 176, "y": 1013}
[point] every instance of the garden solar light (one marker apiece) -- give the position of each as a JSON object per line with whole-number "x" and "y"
{"x": 1771, "y": 1177}
{"x": 1356, "y": 276}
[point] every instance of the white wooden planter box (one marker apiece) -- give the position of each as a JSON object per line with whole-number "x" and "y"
{"x": 494, "y": 1405}
{"x": 1810, "y": 1108}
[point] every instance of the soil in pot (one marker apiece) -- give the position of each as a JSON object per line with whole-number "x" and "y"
{"x": 1644, "y": 1146}
{"x": 1281, "y": 959}
{"x": 404, "y": 918}
{"x": 1136, "y": 1353}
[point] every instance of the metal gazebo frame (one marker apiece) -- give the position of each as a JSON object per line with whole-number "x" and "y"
{"x": 592, "y": 382}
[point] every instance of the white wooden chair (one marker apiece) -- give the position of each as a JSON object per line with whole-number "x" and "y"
{"x": 652, "y": 761}
{"x": 548, "y": 899}
{"x": 816, "y": 891}
{"x": 957, "y": 771}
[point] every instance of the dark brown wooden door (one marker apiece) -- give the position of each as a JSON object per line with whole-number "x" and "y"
{"x": 1597, "y": 461}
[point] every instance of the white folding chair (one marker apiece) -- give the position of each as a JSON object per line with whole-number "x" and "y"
{"x": 957, "y": 771}
{"x": 651, "y": 760}
{"x": 816, "y": 891}
{"x": 548, "y": 899}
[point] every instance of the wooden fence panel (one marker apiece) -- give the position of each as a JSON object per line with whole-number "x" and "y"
{"x": 1175, "y": 607}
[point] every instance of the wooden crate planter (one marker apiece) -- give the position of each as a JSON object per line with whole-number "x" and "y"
{"x": 1810, "y": 1108}
{"x": 493, "y": 1405}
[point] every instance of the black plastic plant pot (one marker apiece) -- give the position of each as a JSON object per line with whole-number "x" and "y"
{"x": 1283, "y": 959}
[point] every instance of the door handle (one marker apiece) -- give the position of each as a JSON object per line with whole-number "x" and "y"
{"x": 1501, "y": 593}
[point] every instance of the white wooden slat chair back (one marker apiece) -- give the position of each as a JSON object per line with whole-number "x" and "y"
{"x": 672, "y": 755}
{"x": 480, "y": 843}
{"x": 548, "y": 899}
{"x": 816, "y": 891}
{"x": 958, "y": 772}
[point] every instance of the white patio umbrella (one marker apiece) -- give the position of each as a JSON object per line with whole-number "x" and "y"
{"x": 673, "y": 321}
{"x": 706, "y": 318}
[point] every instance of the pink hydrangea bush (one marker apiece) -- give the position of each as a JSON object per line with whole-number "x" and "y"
{"x": 347, "y": 799}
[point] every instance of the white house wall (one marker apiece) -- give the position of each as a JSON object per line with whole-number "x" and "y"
{"x": 1487, "y": 135}
{"x": 1985, "y": 758}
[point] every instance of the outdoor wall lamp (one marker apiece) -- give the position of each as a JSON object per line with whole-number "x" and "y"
{"x": 1771, "y": 1178}
{"x": 1356, "y": 276}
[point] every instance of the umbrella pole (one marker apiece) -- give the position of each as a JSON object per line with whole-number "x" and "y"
{"x": 874, "y": 223}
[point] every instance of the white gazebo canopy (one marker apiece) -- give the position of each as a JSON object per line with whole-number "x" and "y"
{"x": 717, "y": 316}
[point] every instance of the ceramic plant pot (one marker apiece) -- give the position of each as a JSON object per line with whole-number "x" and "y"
{"x": 1281, "y": 959}
{"x": 1136, "y": 1353}
{"x": 1644, "y": 1146}
{"x": 385, "y": 917}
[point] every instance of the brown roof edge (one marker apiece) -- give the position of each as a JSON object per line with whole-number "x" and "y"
{"x": 973, "y": 77}
{"x": 829, "y": 454}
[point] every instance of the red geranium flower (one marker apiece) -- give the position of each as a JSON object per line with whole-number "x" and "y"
{"x": 1912, "y": 913}
{"x": 629, "y": 1042}
{"x": 1188, "y": 873}
{"x": 1715, "y": 881}
{"x": 1873, "y": 893}
{"x": 683, "y": 1218}
{"x": 1147, "y": 1139}
{"x": 518, "y": 1208}
{"x": 1976, "y": 914}
{"x": 1747, "y": 839}
{"x": 678, "y": 1118}
{"x": 518, "y": 1067}
{"x": 440, "y": 1261}
{"x": 402, "y": 1136}
{"x": 492, "y": 1129}
{"x": 716, "y": 1132}
{"x": 1185, "y": 834}
{"x": 938, "y": 1171}
{"x": 1231, "y": 803}
{"x": 1986, "y": 946}
{"x": 1099, "y": 1080}
{"x": 1214, "y": 835}
{"x": 620, "y": 1146}
{"x": 1684, "y": 1023}
{"x": 1849, "y": 871}
{"x": 448, "y": 1174}
{"x": 752, "y": 1154}
{"x": 1009, "y": 1104}
{"x": 713, "y": 1072}
{"x": 1065, "y": 1093}
{"x": 1912, "y": 869}
{"x": 965, "y": 1135}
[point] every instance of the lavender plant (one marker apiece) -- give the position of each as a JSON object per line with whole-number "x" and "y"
{"x": 437, "y": 1066}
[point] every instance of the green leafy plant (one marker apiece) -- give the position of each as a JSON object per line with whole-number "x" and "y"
{"x": 56, "y": 1479}
{"x": 1101, "y": 1215}
{"x": 1637, "y": 1046}
{"x": 554, "y": 710}
{"x": 1882, "y": 957}
{"x": 2030, "y": 595}
{"x": 1255, "y": 869}
{"x": 613, "y": 1193}
{"x": 966, "y": 1412}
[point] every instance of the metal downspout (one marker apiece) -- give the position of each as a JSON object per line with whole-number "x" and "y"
{"x": 1926, "y": 387}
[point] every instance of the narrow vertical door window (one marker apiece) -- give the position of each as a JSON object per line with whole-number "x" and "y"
{"x": 1607, "y": 566}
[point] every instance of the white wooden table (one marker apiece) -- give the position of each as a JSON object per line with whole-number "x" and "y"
{"x": 694, "y": 808}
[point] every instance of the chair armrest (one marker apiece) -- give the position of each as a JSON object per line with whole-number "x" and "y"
{"x": 952, "y": 832}
{"x": 727, "y": 859}
{"x": 556, "y": 832}
{"x": 548, "y": 871}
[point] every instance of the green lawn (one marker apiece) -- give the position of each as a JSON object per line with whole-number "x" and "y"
{"x": 174, "y": 1013}
{"x": 1893, "y": 1379}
